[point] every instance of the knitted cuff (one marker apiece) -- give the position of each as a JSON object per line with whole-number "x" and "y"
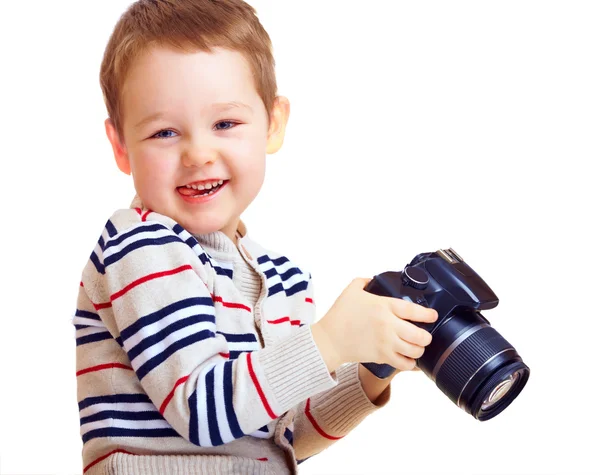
{"x": 294, "y": 369}
{"x": 340, "y": 410}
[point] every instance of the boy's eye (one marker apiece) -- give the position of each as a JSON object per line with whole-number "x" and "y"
{"x": 161, "y": 134}
{"x": 225, "y": 122}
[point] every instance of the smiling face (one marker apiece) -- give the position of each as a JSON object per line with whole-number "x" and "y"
{"x": 191, "y": 120}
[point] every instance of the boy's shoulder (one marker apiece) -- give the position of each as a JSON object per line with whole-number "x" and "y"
{"x": 125, "y": 223}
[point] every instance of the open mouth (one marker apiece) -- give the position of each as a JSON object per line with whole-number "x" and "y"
{"x": 193, "y": 191}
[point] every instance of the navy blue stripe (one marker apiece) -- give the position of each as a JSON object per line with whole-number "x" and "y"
{"x": 86, "y": 314}
{"x": 285, "y": 276}
{"x": 137, "y": 245}
{"x": 178, "y": 229}
{"x": 205, "y": 259}
{"x": 140, "y": 229}
{"x": 289, "y": 273}
{"x": 263, "y": 259}
{"x": 191, "y": 241}
{"x": 153, "y": 362}
{"x": 276, "y": 262}
{"x": 234, "y": 355}
{"x": 234, "y": 426}
{"x": 120, "y": 432}
{"x": 163, "y": 312}
{"x": 211, "y": 409}
{"x": 300, "y": 286}
{"x": 280, "y": 261}
{"x": 97, "y": 264}
{"x": 81, "y": 327}
{"x": 225, "y": 272}
{"x": 239, "y": 337}
{"x": 127, "y": 416}
{"x": 119, "y": 340}
{"x": 84, "y": 340}
{"x": 289, "y": 435}
{"x": 110, "y": 228}
{"x": 265, "y": 429}
{"x": 161, "y": 335}
{"x": 112, "y": 399}
{"x": 192, "y": 403}
{"x": 101, "y": 243}
{"x": 303, "y": 460}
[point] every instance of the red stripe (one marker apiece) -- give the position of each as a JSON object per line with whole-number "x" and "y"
{"x": 284, "y": 319}
{"x": 263, "y": 459}
{"x": 80, "y": 284}
{"x": 100, "y": 367}
{"x": 309, "y": 300}
{"x": 167, "y": 400}
{"x": 229, "y": 304}
{"x": 225, "y": 355}
{"x": 148, "y": 277}
{"x": 105, "y": 456}
{"x": 314, "y": 423}
{"x": 258, "y": 388}
{"x": 100, "y": 306}
{"x": 146, "y": 214}
{"x": 139, "y": 211}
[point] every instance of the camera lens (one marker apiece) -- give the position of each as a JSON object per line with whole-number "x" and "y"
{"x": 498, "y": 392}
{"x": 474, "y": 365}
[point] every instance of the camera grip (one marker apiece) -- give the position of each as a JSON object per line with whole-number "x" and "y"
{"x": 382, "y": 371}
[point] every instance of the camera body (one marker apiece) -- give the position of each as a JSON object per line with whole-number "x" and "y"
{"x": 469, "y": 360}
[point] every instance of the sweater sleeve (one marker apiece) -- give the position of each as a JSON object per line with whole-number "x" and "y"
{"x": 325, "y": 418}
{"x": 151, "y": 288}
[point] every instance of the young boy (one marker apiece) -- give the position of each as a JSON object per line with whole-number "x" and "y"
{"x": 197, "y": 350}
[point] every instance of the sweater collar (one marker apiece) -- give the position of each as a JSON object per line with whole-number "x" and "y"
{"x": 216, "y": 242}
{"x": 221, "y": 243}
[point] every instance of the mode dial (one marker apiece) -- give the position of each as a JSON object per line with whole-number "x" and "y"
{"x": 415, "y": 277}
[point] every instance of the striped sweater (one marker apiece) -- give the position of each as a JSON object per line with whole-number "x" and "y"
{"x": 180, "y": 369}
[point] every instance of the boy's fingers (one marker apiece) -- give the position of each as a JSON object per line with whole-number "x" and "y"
{"x": 412, "y": 333}
{"x": 408, "y": 349}
{"x": 412, "y": 311}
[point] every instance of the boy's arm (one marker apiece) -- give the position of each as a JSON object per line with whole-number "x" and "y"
{"x": 149, "y": 285}
{"x": 326, "y": 417}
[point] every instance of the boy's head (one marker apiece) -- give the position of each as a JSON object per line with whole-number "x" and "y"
{"x": 191, "y": 95}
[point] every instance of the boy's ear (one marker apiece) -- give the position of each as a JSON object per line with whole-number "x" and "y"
{"x": 279, "y": 119}
{"x": 119, "y": 149}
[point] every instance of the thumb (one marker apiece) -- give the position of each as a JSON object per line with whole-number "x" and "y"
{"x": 361, "y": 282}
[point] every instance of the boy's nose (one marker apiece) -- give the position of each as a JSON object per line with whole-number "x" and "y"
{"x": 198, "y": 154}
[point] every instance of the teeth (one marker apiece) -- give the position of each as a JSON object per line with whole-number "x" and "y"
{"x": 208, "y": 186}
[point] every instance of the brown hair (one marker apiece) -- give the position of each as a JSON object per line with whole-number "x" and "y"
{"x": 187, "y": 25}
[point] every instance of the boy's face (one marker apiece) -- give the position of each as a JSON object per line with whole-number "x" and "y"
{"x": 181, "y": 128}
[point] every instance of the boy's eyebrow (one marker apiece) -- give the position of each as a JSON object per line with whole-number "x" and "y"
{"x": 220, "y": 106}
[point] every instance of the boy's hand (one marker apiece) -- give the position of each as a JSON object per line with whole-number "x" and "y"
{"x": 368, "y": 328}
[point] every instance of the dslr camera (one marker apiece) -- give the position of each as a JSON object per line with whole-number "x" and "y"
{"x": 470, "y": 362}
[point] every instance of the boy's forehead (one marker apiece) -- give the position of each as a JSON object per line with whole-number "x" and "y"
{"x": 164, "y": 77}
{"x": 219, "y": 66}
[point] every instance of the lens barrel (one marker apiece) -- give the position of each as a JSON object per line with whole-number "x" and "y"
{"x": 474, "y": 365}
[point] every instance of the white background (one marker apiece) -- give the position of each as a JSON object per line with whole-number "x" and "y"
{"x": 414, "y": 126}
